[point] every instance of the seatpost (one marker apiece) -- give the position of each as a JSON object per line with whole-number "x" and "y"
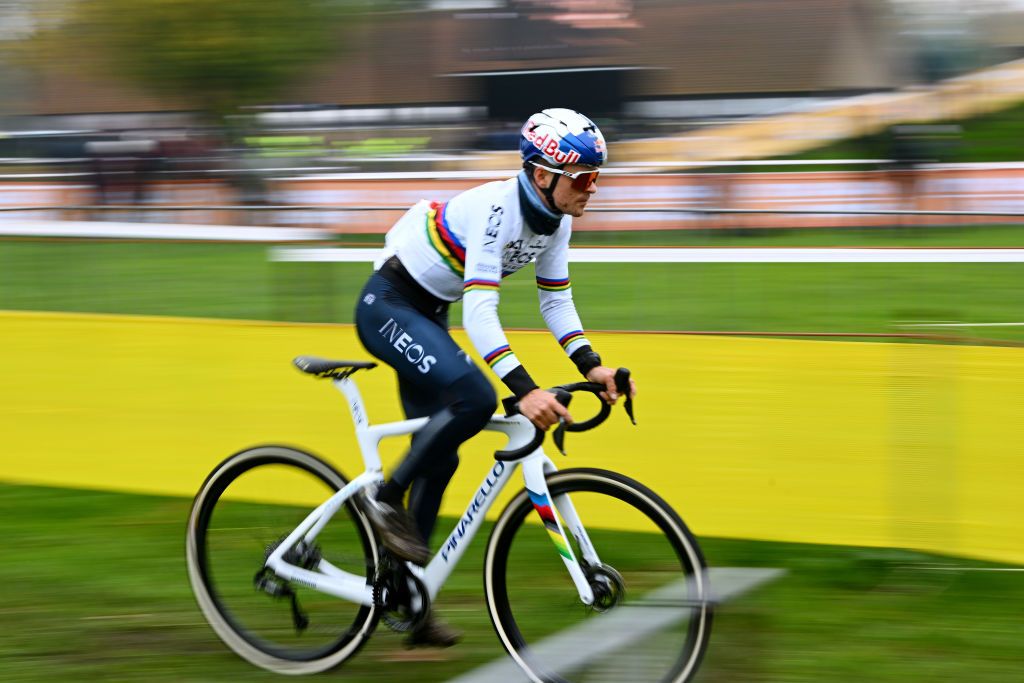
{"x": 367, "y": 442}
{"x": 355, "y": 402}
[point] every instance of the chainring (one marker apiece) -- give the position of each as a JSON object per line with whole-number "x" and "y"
{"x": 402, "y": 596}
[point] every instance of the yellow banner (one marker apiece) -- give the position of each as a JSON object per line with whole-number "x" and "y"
{"x": 874, "y": 444}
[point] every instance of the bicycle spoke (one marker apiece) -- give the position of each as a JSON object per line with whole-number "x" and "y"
{"x": 651, "y": 614}
{"x": 243, "y": 516}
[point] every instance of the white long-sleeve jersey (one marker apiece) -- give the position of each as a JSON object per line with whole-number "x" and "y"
{"x": 463, "y": 248}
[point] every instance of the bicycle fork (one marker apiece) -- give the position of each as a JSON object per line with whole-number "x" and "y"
{"x": 534, "y": 471}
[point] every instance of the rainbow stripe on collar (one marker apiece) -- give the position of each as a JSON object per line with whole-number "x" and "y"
{"x": 443, "y": 240}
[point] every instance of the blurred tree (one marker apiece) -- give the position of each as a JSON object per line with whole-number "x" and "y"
{"x": 218, "y": 54}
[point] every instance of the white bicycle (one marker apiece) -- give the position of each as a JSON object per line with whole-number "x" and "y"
{"x": 624, "y": 597}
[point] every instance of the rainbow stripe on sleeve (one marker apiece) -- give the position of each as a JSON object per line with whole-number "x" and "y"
{"x": 570, "y": 338}
{"x": 443, "y": 240}
{"x": 497, "y": 355}
{"x": 547, "y": 515}
{"x": 478, "y": 285}
{"x": 553, "y": 285}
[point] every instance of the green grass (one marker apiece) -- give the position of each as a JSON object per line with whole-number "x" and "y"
{"x": 921, "y": 237}
{"x": 238, "y": 281}
{"x": 95, "y": 590}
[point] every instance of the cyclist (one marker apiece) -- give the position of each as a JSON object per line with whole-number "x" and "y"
{"x": 438, "y": 253}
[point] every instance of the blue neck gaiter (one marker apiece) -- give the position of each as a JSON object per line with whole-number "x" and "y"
{"x": 537, "y": 215}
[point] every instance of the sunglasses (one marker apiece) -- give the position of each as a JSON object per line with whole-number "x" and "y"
{"x": 581, "y": 180}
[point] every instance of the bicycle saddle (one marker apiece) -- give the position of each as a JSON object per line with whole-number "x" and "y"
{"x": 323, "y": 367}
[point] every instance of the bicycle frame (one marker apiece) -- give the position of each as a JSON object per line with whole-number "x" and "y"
{"x": 334, "y": 581}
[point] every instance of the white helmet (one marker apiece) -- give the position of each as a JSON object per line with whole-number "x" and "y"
{"x": 560, "y": 137}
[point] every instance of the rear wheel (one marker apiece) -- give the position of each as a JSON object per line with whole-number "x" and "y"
{"x": 651, "y": 617}
{"x": 245, "y": 508}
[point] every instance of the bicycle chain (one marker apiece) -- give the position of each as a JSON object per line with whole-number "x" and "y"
{"x": 391, "y": 592}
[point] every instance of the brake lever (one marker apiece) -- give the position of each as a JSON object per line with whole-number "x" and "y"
{"x": 563, "y": 397}
{"x": 563, "y": 394}
{"x": 559, "y": 436}
{"x": 622, "y": 386}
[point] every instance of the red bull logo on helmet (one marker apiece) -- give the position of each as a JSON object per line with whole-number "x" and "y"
{"x": 549, "y": 145}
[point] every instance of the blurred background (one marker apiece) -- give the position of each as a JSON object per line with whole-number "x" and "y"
{"x": 180, "y": 103}
{"x": 191, "y": 192}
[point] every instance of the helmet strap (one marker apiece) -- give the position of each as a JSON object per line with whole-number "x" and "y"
{"x": 536, "y": 214}
{"x": 549, "y": 192}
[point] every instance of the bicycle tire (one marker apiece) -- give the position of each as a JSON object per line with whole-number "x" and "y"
{"x": 660, "y": 637}
{"x": 252, "y": 624}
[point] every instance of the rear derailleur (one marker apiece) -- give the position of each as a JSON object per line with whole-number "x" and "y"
{"x": 266, "y": 580}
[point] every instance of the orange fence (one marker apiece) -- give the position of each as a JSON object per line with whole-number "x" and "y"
{"x": 370, "y": 204}
{"x": 705, "y": 200}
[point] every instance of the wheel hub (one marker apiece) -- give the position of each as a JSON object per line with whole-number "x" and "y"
{"x": 608, "y": 587}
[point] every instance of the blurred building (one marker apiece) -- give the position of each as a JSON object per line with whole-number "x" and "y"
{"x": 1004, "y": 34}
{"x": 609, "y": 57}
{"x": 422, "y": 82}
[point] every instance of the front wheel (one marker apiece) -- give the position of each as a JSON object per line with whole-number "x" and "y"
{"x": 651, "y": 617}
{"x": 245, "y": 508}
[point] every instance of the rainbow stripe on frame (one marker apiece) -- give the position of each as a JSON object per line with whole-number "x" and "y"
{"x": 547, "y": 515}
{"x": 440, "y": 236}
{"x": 553, "y": 285}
